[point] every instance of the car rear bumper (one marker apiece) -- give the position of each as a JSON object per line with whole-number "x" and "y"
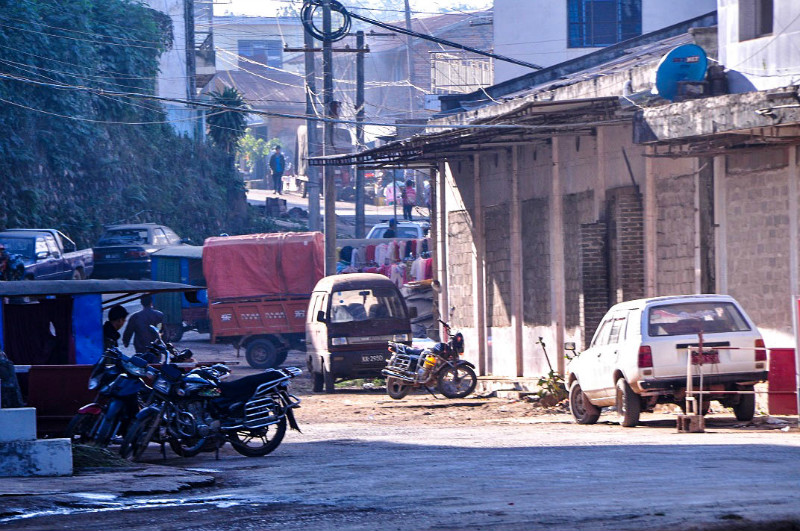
{"x": 126, "y": 269}
{"x": 671, "y": 384}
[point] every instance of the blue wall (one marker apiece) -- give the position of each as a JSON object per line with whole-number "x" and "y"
{"x": 87, "y": 328}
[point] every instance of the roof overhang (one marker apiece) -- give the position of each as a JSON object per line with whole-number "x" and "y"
{"x": 127, "y": 290}
{"x": 711, "y": 125}
{"x": 515, "y": 122}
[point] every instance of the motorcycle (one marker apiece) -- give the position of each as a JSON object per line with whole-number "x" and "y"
{"x": 198, "y": 412}
{"x": 117, "y": 379}
{"x": 12, "y": 266}
{"x": 438, "y": 367}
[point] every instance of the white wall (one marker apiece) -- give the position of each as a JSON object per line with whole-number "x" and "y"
{"x": 767, "y": 62}
{"x": 229, "y": 30}
{"x": 536, "y": 30}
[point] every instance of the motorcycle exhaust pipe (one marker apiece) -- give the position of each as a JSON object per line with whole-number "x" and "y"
{"x": 397, "y": 375}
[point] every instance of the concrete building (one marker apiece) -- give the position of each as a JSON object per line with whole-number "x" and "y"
{"x": 544, "y": 32}
{"x": 573, "y": 188}
{"x": 255, "y": 44}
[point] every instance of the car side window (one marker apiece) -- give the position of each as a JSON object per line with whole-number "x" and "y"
{"x": 617, "y": 327}
{"x": 601, "y": 337}
{"x": 159, "y": 238}
{"x": 173, "y": 238}
{"x": 52, "y": 246}
{"x": 41, "y": 246}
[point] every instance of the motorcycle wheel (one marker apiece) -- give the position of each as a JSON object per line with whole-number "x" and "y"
{"x": 187, "y": 448}
{"x": 138, "y": 437}
{"x": 81, "y": 428}
{"x": 396, "y": 389}
{"x": 457, "y": 382}
{"x": 260, "y": 442}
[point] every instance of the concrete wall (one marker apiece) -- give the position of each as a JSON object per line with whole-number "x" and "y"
{"x": 536, "y": 30}
{"x": 762, "y": 63}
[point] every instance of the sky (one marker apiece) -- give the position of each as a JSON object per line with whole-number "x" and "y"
{"x": 269, "y": 7}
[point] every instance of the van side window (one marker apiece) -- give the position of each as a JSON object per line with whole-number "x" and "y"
{"x": 313, "y": 308}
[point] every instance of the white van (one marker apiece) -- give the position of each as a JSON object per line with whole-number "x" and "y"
{"x": 638, "y": 357}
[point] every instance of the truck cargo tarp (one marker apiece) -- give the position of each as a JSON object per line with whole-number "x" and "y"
{"x": 263, "y": 265}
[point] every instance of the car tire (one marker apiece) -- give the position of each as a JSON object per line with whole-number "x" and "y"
{"x": 328, "y": 378}
{"x": 629, "y": 404}
{"x": 262, "y": 354}
{"x": 582, "y": 410}
{"x": 319, "y": 382}
{"x": 745, "y": 408}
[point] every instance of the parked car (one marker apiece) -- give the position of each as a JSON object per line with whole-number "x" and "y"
{"x": 405, "y": 230}
{"x": 638, "y": 357}
{"x": 124, "y": 251}
{"x": 48, "y": 254}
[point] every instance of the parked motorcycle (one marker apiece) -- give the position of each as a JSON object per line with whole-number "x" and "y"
{"x": 12, "y": 266}
{"x": 198, "y": 412}
{"x": 117, "y": 379}
{"x": 438, "y": 367}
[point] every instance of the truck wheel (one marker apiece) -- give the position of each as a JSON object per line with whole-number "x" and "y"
{"x": 629, "y": 404}
{"x": 745, "y": 408}
{"x": 282, "y": 355}
{"x": 172, "y": 333}
{"x": 328, "y": 378}
{"x": 262, "y": 354}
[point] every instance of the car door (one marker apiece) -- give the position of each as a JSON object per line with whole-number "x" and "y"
{"x": 316, "y": 332}
{"x": 60, "y": 267}
{"x": 589, "y": 367}
{"x": 45, "y": 265}
{"x": 612, "y": 350}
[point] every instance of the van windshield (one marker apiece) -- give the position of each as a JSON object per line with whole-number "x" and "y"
{"x": 366, "y": 304}
{"x": 693, "y": 317}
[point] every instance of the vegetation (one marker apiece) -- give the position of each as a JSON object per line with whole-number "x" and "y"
{"x": 75, "y": 153}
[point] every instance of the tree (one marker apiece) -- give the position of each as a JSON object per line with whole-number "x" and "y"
{"x": 227, "y": 127}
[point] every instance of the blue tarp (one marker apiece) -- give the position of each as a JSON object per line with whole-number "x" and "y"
{"x": 87, "y": 318}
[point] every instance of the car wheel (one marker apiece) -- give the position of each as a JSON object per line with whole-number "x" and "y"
{"x": 77, "y": 275}
{"x": 629, "y": 404}
{"x": 319, "y": 382}
{"x": 584, "y": 411}
{"x": 745, "y": 409}
{"x": 262, "y": 354}
{"x": 328, "y": 379}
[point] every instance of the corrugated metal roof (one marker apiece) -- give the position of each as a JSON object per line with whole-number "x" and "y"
{"x": 35, "y": 288}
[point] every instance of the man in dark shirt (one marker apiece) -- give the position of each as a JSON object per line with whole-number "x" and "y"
{"x": 277, "y": 163}
{"x": 139, "y": 325}
{"x": 116, "y": 318}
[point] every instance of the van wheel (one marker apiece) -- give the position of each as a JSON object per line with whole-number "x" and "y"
{"x": 629, "y": 404}
{"x": 319, "y": 382}
{"x": 328, "y": 378}
{"x": 584, "y": 411}
{"x": 745, "y": 409}
{"x": 262, "y": 354}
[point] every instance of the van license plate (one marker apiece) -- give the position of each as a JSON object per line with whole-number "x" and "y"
{"x": 708, "y": 356}
{"x": 372, "y": 358}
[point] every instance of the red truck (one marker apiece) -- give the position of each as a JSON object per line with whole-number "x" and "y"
{"x": 259, "y": 286}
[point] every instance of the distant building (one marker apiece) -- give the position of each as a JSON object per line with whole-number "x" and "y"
{"x": 547, "y": 32}
{"x": 255, "y": 44}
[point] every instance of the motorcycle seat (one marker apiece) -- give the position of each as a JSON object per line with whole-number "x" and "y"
{"x": 244, "y": 388}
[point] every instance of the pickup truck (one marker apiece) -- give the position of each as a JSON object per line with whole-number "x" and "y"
{"x": 48, "y": 254}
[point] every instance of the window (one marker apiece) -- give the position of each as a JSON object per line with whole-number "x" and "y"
{"x": 259, "y": 54}
{"x": 691, "y": 317}
{"x": 159, "y": 238}
{"x": 594, "y": 23}
{"x": 617, "y": 330}
{"x": 601, "y": 337}
{"x": 362, "y": 305}
{"x": 755, "y": 19}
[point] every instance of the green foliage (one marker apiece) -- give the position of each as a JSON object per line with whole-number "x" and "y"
{"x": 226, "y": 128}
{"x": 252, "y": 150}
{"x": 552, "y": 385}
{"x": 76, "y": 159}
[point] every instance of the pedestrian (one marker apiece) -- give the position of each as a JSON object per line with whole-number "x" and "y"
{"x": 139, "y": 326}
{"x": 409, "y": 199}
{"x": 116, "y": 318}
{"x": 277, "y": 164}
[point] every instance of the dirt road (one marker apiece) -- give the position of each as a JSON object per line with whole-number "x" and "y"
{"x": 366, "y": 462}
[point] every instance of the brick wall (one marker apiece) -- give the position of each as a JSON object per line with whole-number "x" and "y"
{"x": 459, "y": 268}
{"x": 536, "y": 262}
{"x": 594, "y": 265}
{"x": 626, "y": 244}
{"x": 498, "y": 265}
{"x": 578, "y": 209}
{"x": 675, "y": 241}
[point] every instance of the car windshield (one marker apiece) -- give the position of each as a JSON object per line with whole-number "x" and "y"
{"x": 401, "y": 232}
{"x": 20, "y": 246}
{"x": 693, "y": 317}
{"x": 366, "y": 304}
{"x": 123, "y": 237}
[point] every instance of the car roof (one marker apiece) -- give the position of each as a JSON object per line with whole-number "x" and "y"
{"x": 353, "y": 281}
{"x": 133, "y": 226}
{"x": 639, "y": 303}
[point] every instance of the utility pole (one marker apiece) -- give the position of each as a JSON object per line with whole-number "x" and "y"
{"x": 330, "y": 186}
{"x": 191, "y": 65}
{"x": 409, "y": 62}
{"x": 312, "y": 187}
{"x": 360, "y": 218}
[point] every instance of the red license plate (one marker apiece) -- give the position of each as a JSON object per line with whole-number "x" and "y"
{"x": 706, "y": 357}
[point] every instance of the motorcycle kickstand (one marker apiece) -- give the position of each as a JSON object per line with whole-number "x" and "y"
{"x": 431, "y": 392}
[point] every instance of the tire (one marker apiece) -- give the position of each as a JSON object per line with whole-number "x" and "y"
{"x": 319, "y": 382}
{"x": 745, "y": 408}
{"x": 138, "y": 437}
{"x": 172, "y": 333}
{"x": 582, "y": 410}
{"x": 262, "y": 354}
{"x": 258, "y": 443}
{"x": 396, "y": 389}
{"x": 81, "y": 428}
{"x": 328, "y": 378}
{"x": 187, "y": 448}
{"x": 77, "y": 274}
{"x": 456, "y": 382}
{"x": 629, "y": 404}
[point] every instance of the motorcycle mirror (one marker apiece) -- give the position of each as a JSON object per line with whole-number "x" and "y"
{"x": 570, "y": 345}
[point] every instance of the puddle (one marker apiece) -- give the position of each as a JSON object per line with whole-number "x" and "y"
{"x": 95, "y": 496}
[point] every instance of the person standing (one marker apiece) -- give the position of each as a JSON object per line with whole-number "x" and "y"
{"x": 116, "y": 318}
{"x": 277, "y": 164}
{"x": 139, "y": 325}
{"x": 409, "y": 199}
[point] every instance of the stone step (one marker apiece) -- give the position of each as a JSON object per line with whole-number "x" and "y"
{"x": 22, "y": 454}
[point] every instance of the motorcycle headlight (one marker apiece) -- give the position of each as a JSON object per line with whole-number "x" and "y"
{"x": 336, "y": 341}
{"x": 401, "y": 337}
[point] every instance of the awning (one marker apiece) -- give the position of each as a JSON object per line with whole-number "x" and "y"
{"x": 180, "y": 251}
{"x": 518, "y": 121}
{"x": 128, "y": 290}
